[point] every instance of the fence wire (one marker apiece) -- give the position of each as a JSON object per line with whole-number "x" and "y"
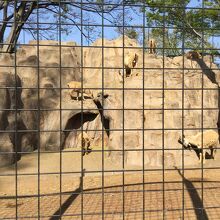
{"x": 125, "y": 139}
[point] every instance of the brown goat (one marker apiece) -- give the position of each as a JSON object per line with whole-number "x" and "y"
{"x": 152, "y": 46}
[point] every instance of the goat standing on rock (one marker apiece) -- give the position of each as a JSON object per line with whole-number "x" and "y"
{"x": 193, "y": 56}
{"x": 210, "y": 142}
{"x": 76, "y": 88}
{"x": 152, "y": 46}
{"x": 130, "y": 62}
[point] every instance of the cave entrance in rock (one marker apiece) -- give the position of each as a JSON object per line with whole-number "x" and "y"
{"x": 79, "y": 119}
{"x": 76, "y": 122}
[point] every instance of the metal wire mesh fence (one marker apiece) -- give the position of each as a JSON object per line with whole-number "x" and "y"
{"x": 109, "y": 109}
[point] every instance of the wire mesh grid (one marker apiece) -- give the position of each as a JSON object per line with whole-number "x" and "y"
{"x": 107, "y": 108}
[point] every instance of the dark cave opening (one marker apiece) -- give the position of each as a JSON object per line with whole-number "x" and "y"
{"x": 79, "y": 119}
{"x": 77, "y": 122}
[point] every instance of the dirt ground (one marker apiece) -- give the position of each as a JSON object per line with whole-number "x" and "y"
{"x": 114, "y": 194}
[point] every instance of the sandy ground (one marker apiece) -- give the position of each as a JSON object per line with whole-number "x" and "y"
{"x": 111, "y": 194}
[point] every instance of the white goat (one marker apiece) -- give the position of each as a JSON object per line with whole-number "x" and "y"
{"x": 152, "y": 46}
{"x": 130, "y": 61}
{"x": 76, "y": 89}
{"x": 210, "y": 142}
{"x": 85, "y": 142}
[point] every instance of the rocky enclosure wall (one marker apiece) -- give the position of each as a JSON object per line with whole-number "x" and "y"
{"x": 147, "y": 107}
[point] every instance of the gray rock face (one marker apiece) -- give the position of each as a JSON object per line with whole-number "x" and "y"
{"x": 36, "y": 69}
{"x": 140, "y": 114}
{"x": 10, "y": 96}
{"x": 7, "y": 155}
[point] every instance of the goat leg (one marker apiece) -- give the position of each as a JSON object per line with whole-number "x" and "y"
{"x": 83, "y": 151}
{"x": 77, "y": 96}
{"x": 89, "y": 149}
{"x": 200, "y": 157}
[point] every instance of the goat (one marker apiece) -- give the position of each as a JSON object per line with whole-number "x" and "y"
{"x": 210, "y": 142}
{"x": 85, "y": 142}
{"x": 130, "y": 62}
{"x": 193, "y": 56}
{"x": 152, "y": 46}
{"x": 76, "y": 88}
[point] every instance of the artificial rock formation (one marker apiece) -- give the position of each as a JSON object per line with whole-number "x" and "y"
{"x": 141, "y": 113}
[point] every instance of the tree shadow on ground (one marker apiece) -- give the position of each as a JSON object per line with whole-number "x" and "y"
{"x": 60, "y": 211}
{"x": 199, "y": 209}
